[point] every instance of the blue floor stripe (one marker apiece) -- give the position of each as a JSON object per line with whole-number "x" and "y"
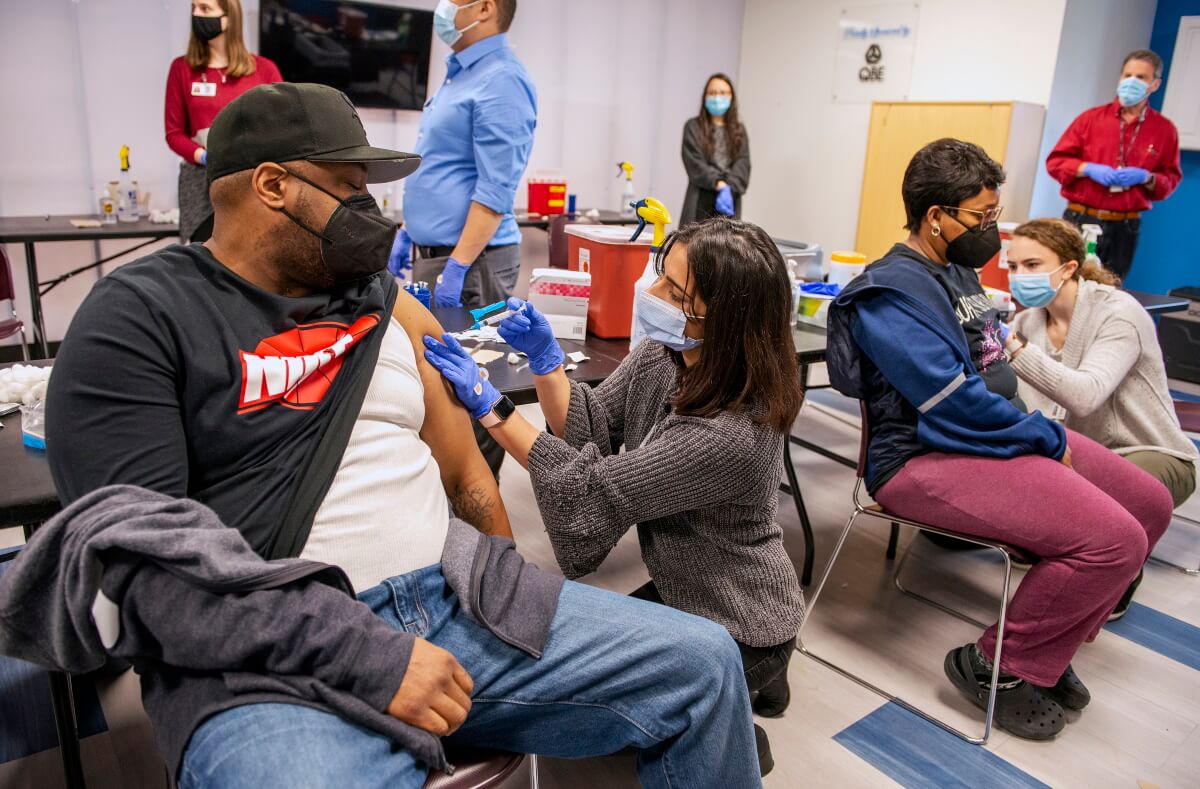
{"x": 914, "y": 753}
{"x": 1164, "y": 634}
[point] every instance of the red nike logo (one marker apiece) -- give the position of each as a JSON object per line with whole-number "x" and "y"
{"x": 296, "y": 368}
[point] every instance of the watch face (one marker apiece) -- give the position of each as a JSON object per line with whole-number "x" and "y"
{"x": 504, "y": 408}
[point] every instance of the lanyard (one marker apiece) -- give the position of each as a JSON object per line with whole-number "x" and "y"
{"x": 1133, "y": 140}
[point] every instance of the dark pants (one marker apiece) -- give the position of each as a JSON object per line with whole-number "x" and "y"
{"x": 1117, "y": 243}
{"x": 760, "y": 665}
{"x": 492, "y": 278}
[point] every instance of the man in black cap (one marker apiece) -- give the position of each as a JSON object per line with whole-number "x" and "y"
{"x": 273, "y": 374}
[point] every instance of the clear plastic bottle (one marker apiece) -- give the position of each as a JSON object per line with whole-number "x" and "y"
{"x": 127, "y": 206}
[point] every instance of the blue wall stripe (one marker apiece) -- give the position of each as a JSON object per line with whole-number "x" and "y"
{"x": 915, "y": 753}
{"x": 1164, "y": 634}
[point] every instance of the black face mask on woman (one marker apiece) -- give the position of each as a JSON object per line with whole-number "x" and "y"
{"x": 206, "y": 28}
{"x": 975, "y": 247}
{"x": 357, "y": 239}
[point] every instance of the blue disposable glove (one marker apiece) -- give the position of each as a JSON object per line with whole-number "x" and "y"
{"x": 1005, "y": 331}
{"x": 529, "y": 332}
{"x": 725, "y": 200}
{"x": 401, "y": 258}
{"x": 448, "y": 292}
{"x": 474, "y": 391}
{"x": 204, "y": 158}
{"x": 1131, "y": 176}
{"x": 1100, "y": 173}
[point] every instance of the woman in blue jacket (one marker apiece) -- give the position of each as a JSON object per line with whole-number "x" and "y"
{"x": 951, "y": 444}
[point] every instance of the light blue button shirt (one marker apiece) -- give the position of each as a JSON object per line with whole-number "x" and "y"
{"x": 475, "y": 138}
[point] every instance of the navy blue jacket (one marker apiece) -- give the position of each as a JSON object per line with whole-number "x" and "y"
{"x": 896, "y": 343}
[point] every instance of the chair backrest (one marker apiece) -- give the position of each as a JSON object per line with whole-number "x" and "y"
{"x": 1189, "y": 415}
{"x": 6, "y": 282}
{"x": 864, "y": 439}
{"x": 558, "y": 236}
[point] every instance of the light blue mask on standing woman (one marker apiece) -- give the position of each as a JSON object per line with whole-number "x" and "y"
{"x": 663, "y": 322}
{"x": 717, "y": 105}
{"x": 443, "y": 21}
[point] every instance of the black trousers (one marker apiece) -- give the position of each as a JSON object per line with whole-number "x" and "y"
{"x": 761, "y": 665}
{"x": 1117, "y": 243}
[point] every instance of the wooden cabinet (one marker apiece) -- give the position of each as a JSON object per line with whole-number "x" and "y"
{"x": 1010, "y": 132}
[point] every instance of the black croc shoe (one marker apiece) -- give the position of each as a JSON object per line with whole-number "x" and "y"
{"x": 1127, "y": 598}
{"x": 1020, "y": 709}
{"x": 1069, "y": 691}
{"x": 766, "y": 762}
{"x": 773, "y": 699}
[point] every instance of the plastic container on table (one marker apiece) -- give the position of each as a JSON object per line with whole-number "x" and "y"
{"x": 845, "y": 266}
{"x": 615, "y": 264}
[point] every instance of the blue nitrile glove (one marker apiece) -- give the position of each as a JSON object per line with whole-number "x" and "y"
{"x": 448, "y": 292}
{"x": 401, "y": 258}
{"x": 1100, "y": 173}
{"x": 204, "y": 158}
{"x": 821, "y": 288}
{"x": 1131, "y": 176}
{"x": 1005, "y": 331}
{"x": 725, "y": 200}
{"x": 474, "y": 391}
{"x": 529, "y": 332}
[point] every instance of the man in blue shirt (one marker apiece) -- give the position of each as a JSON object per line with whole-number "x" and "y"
{"x": 476, "y": 134}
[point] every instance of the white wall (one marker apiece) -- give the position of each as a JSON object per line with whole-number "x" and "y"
{"x": 808, "y": 151}
{"x": 79, "y": 78}
{"x": 1096, "y": 35}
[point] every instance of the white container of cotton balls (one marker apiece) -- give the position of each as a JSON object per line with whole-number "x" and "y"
{"x": 25, "y": 385}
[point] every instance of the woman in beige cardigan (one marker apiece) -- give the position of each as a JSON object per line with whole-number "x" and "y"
{"x": 1087, "y": 354}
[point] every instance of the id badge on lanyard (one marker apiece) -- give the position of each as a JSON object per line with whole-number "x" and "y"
{"x": 205, "y": 88}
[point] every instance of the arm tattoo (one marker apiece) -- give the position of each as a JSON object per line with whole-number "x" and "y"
{"x": 473, "y": 505}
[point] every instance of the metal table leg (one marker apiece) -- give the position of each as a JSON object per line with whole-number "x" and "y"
{"x": 801, "y": 511}
{"x": 40, "y": 346}
{"x": 68, "y": 729}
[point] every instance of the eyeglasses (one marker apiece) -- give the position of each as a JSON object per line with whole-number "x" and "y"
{"x": 986, "y": 218}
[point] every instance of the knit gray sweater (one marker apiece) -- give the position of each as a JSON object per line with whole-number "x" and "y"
{"x": 703, "y": 493}
{"x": 1110, "y": 384}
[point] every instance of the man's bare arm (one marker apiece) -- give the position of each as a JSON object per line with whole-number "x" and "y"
{"x": 468, "y": 481}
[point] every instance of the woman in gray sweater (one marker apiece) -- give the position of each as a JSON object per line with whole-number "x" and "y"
{"x": 701, "y": 407}
{"x": 716, "y": 155}
{"x": 1087, "y": 355}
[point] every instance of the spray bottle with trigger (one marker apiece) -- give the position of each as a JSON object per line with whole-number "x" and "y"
{"x": 1091, "y": 237}
{"x": 652, "y": 211}
{"x": 628, "y": 197}
{"x": 127, "y": 206}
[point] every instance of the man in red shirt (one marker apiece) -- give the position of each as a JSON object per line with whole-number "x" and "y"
{"x": 1114, "y": 159}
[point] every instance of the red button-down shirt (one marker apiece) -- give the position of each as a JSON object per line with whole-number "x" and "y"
{"x": 1095, "y": 136}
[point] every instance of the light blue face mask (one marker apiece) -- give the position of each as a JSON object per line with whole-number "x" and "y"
{"x": 1131, "y": 90}
{"x": 1033, "y": 289}
{"x": 663, "y": 322}
{"x": 443, "y": 21}
{"x": 717, "y": 105}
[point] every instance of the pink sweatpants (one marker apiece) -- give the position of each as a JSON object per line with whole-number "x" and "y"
{"x": 1093, "y": 527}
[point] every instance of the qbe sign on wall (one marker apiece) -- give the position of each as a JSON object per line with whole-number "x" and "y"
{"x": 875, "y": 52}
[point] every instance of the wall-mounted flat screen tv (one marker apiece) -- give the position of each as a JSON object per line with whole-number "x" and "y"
{"x": 377, "y": 54}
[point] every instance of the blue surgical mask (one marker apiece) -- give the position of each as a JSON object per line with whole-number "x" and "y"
{"x": 717, "y": 105}
{"x": 1033, "y": 289}
{"x": 663, "y": 322}
{"x": 443, "y": 21}
{"x": 1131, "y": 90}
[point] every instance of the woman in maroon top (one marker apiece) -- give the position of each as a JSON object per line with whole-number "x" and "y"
{"x": 216, "y": 70}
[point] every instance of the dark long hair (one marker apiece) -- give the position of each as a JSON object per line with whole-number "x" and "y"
{"x": 734, "y": 135}
{"x": 748, "y": 359}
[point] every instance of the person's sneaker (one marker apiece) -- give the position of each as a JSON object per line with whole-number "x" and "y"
{"x": 1069, "y": 691}
{"x": 1021, "y": 708}
{"x": 773, "y": 699}
{"x": 1127, "y": 598}
{"x": 766, "y": 763}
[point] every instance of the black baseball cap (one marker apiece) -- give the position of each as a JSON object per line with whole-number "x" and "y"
{"x": 290, "y": 121}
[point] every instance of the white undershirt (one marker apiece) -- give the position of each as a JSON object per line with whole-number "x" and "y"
{"x": 386, "y": 512}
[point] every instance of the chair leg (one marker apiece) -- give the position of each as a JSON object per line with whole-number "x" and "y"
{"x": 24, "y": 344}
{"x": 801, "y": 512}
{"x": 928, "y": 600}
{"x": 533, "y": 771}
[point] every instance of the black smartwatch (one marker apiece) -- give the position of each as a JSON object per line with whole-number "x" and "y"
{"x": 502, "y": 410}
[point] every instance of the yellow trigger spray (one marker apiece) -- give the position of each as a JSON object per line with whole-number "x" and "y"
{"x": 628, "y": 197}
{"x": 127, "y": 205}
{"x": 650, "y": 211}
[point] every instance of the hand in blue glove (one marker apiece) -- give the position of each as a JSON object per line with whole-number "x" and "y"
{"x": 725, "y": 200}
{"x": 474, "y": 391}
{"x": 1130, "y": 176}
{"x": 204, "y": 158}
{"x": 1100, "y": 173}
{"x": 448, "y": 292}
{"x": 401, "y": 258}
{"x": 1005, "y": 331}
{"x": 529, "y": 332}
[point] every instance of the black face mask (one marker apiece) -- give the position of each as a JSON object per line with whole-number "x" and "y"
{"x": 357, "y": 239}
{"x": 975, "y": 247}
{"x": 206, "y": 28}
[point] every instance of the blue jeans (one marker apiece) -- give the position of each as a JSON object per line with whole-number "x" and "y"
{"x": 616, "y": 672}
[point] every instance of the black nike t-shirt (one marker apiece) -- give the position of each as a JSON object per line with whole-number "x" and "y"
{"x": 179, "y": 376}
{"x": 980, "y": 322}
